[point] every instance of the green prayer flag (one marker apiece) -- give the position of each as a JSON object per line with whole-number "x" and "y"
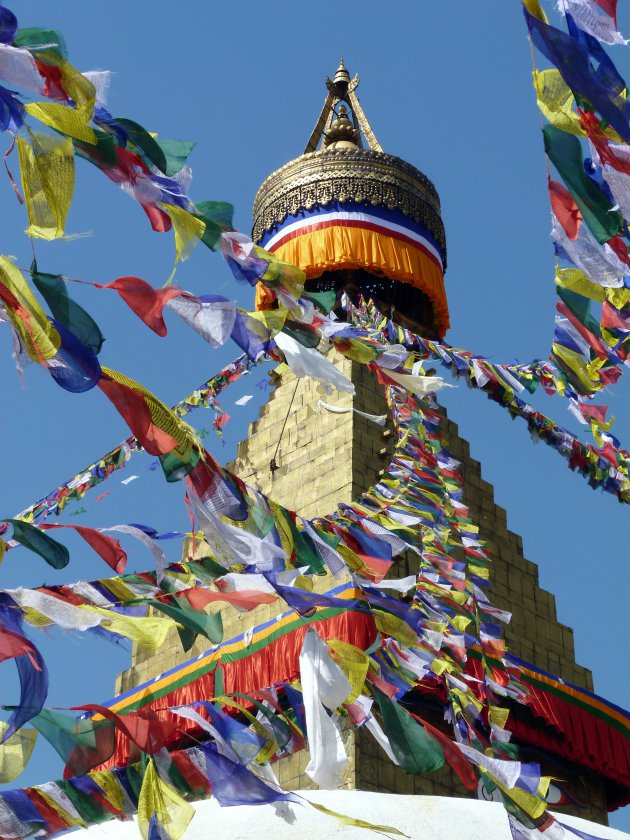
{"x": 415, "y": 750}
{"x": 301, "y": 333}
{"x": 195, "y": 622}
{"x": 219, "y": 685}
{"x": 74, "y": 318}
{"x": 304, "y": 550}
{"x": 205, "y": 568}
{"x": 102, "y": 153}
{"x": 150, "y": 151}
{"x": 565, "y": 152}
{"x": 180, "y": 783}
{"x": 134, "y": 774}
{"x": 82, "y": 743}
{"x": 36, "y": 39}
{"x": 53, "y": 552}
{"x": 177, "y": 464}
{"x": 217, "y": 217}
{"x": 325, "y": 301}
{"x": 176, "y": 153}
{"x": 580, "y": 307}
{"x": 90, "y": 811}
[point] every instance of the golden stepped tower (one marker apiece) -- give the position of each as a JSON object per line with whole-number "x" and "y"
{"x": 358, "y": 220}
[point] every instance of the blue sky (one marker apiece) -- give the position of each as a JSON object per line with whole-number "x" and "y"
{"x": 447, "y": 86}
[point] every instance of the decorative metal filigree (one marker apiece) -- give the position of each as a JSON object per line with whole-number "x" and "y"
{"x": 318, "y": 178}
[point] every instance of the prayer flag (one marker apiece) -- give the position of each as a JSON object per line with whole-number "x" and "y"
{"x": 160, "y": 805}
{"x": 233, "y": 784}
{"x": 15, "y": 752}
{"x": 573, "y": 60}
{"x": 47, "y": 170}
{"x": 415, "y": 750}
{"x": 73, "y": 317}
{"x": 108, "y": 548}
{"x": 565, "y": 153}
{"x": 53, "y": 552}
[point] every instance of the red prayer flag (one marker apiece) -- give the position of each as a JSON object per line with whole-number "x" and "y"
{"x": 565, "y": 209}
{"x": 195, "y": 779}
{"x": 609, "y": 453}
{"x": 595, "y": 412}
{"x": 145, "y": 728}
{"x": 612, "y": 318}
{"x": 148, "y": 303}
{"x": 160, "y": 221}
{"x": 608, "y": 154}
{"x": 610, "y": 7}
{"x": 84, "y": 758}
{"x": 12, "y": 645}
{"x": 246, "y": 599}
{"x": 106, "y": 547}
{"x": 134, "y": 410}
{"x": 591, "y": 339}
{"x": 620, "y": 248}
{"x": 52, "y": 818}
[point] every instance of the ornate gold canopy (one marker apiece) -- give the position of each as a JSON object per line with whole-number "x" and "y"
{"x": 343, "y": 169}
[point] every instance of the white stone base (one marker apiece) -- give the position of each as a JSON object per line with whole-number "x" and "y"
{"x": 419, "y": 817}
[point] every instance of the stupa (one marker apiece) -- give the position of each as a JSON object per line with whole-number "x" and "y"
{"x": 360, "y": 221}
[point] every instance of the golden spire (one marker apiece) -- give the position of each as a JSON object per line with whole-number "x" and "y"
{"x": 342, "y": 74}
{"x": 337, "y": 128}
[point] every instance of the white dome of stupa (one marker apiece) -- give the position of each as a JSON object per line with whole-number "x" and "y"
{"x": 418, "y": 817}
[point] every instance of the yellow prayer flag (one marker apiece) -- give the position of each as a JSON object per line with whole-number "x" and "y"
{"x": 47, "y": 173}
{"x": 110, "y": 786}
{"x": 353, "y": 561}
{"x": 63, "y": 118}
{"x": 270, "y": 320}
{"x": 148, "y": 633}
{"x": 555, "y": 100}
{"x": 357, "y": 351}
{"x": 286, "y": 536}
{"x": 73, "y": 122}
{"x": 583, "y": 371}
{"x": 120, "y": 590}
{"x": 64, "y": 814}
{"x": 535, "y": 9}
{"x": 498, "y": 716}
{"x": 576, "y": 281}
{"x": 35, "y": 618}
{"x": 15, "y": 752}
{"x": 438, "y": 666}
{"x": 460, "y": 598}
{"x": 393, "y": 626}
{"x": 460, "y": 622}
{"x": 163, "y": 417}
{"x": 480, "y": 571}
{"x": 38, "y": 335}
{"x": 344, "y": 820}
{"x": 355, "y": 664}
{"x": 188, "y": 230}
{"x": 157, "y": 797}
{"x": 467, "y": 699}
{"x": 618, "y": 297}
{"x": 533, "y": 806}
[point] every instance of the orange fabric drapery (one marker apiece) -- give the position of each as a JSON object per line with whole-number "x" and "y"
{"x": 346, "y": 247}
